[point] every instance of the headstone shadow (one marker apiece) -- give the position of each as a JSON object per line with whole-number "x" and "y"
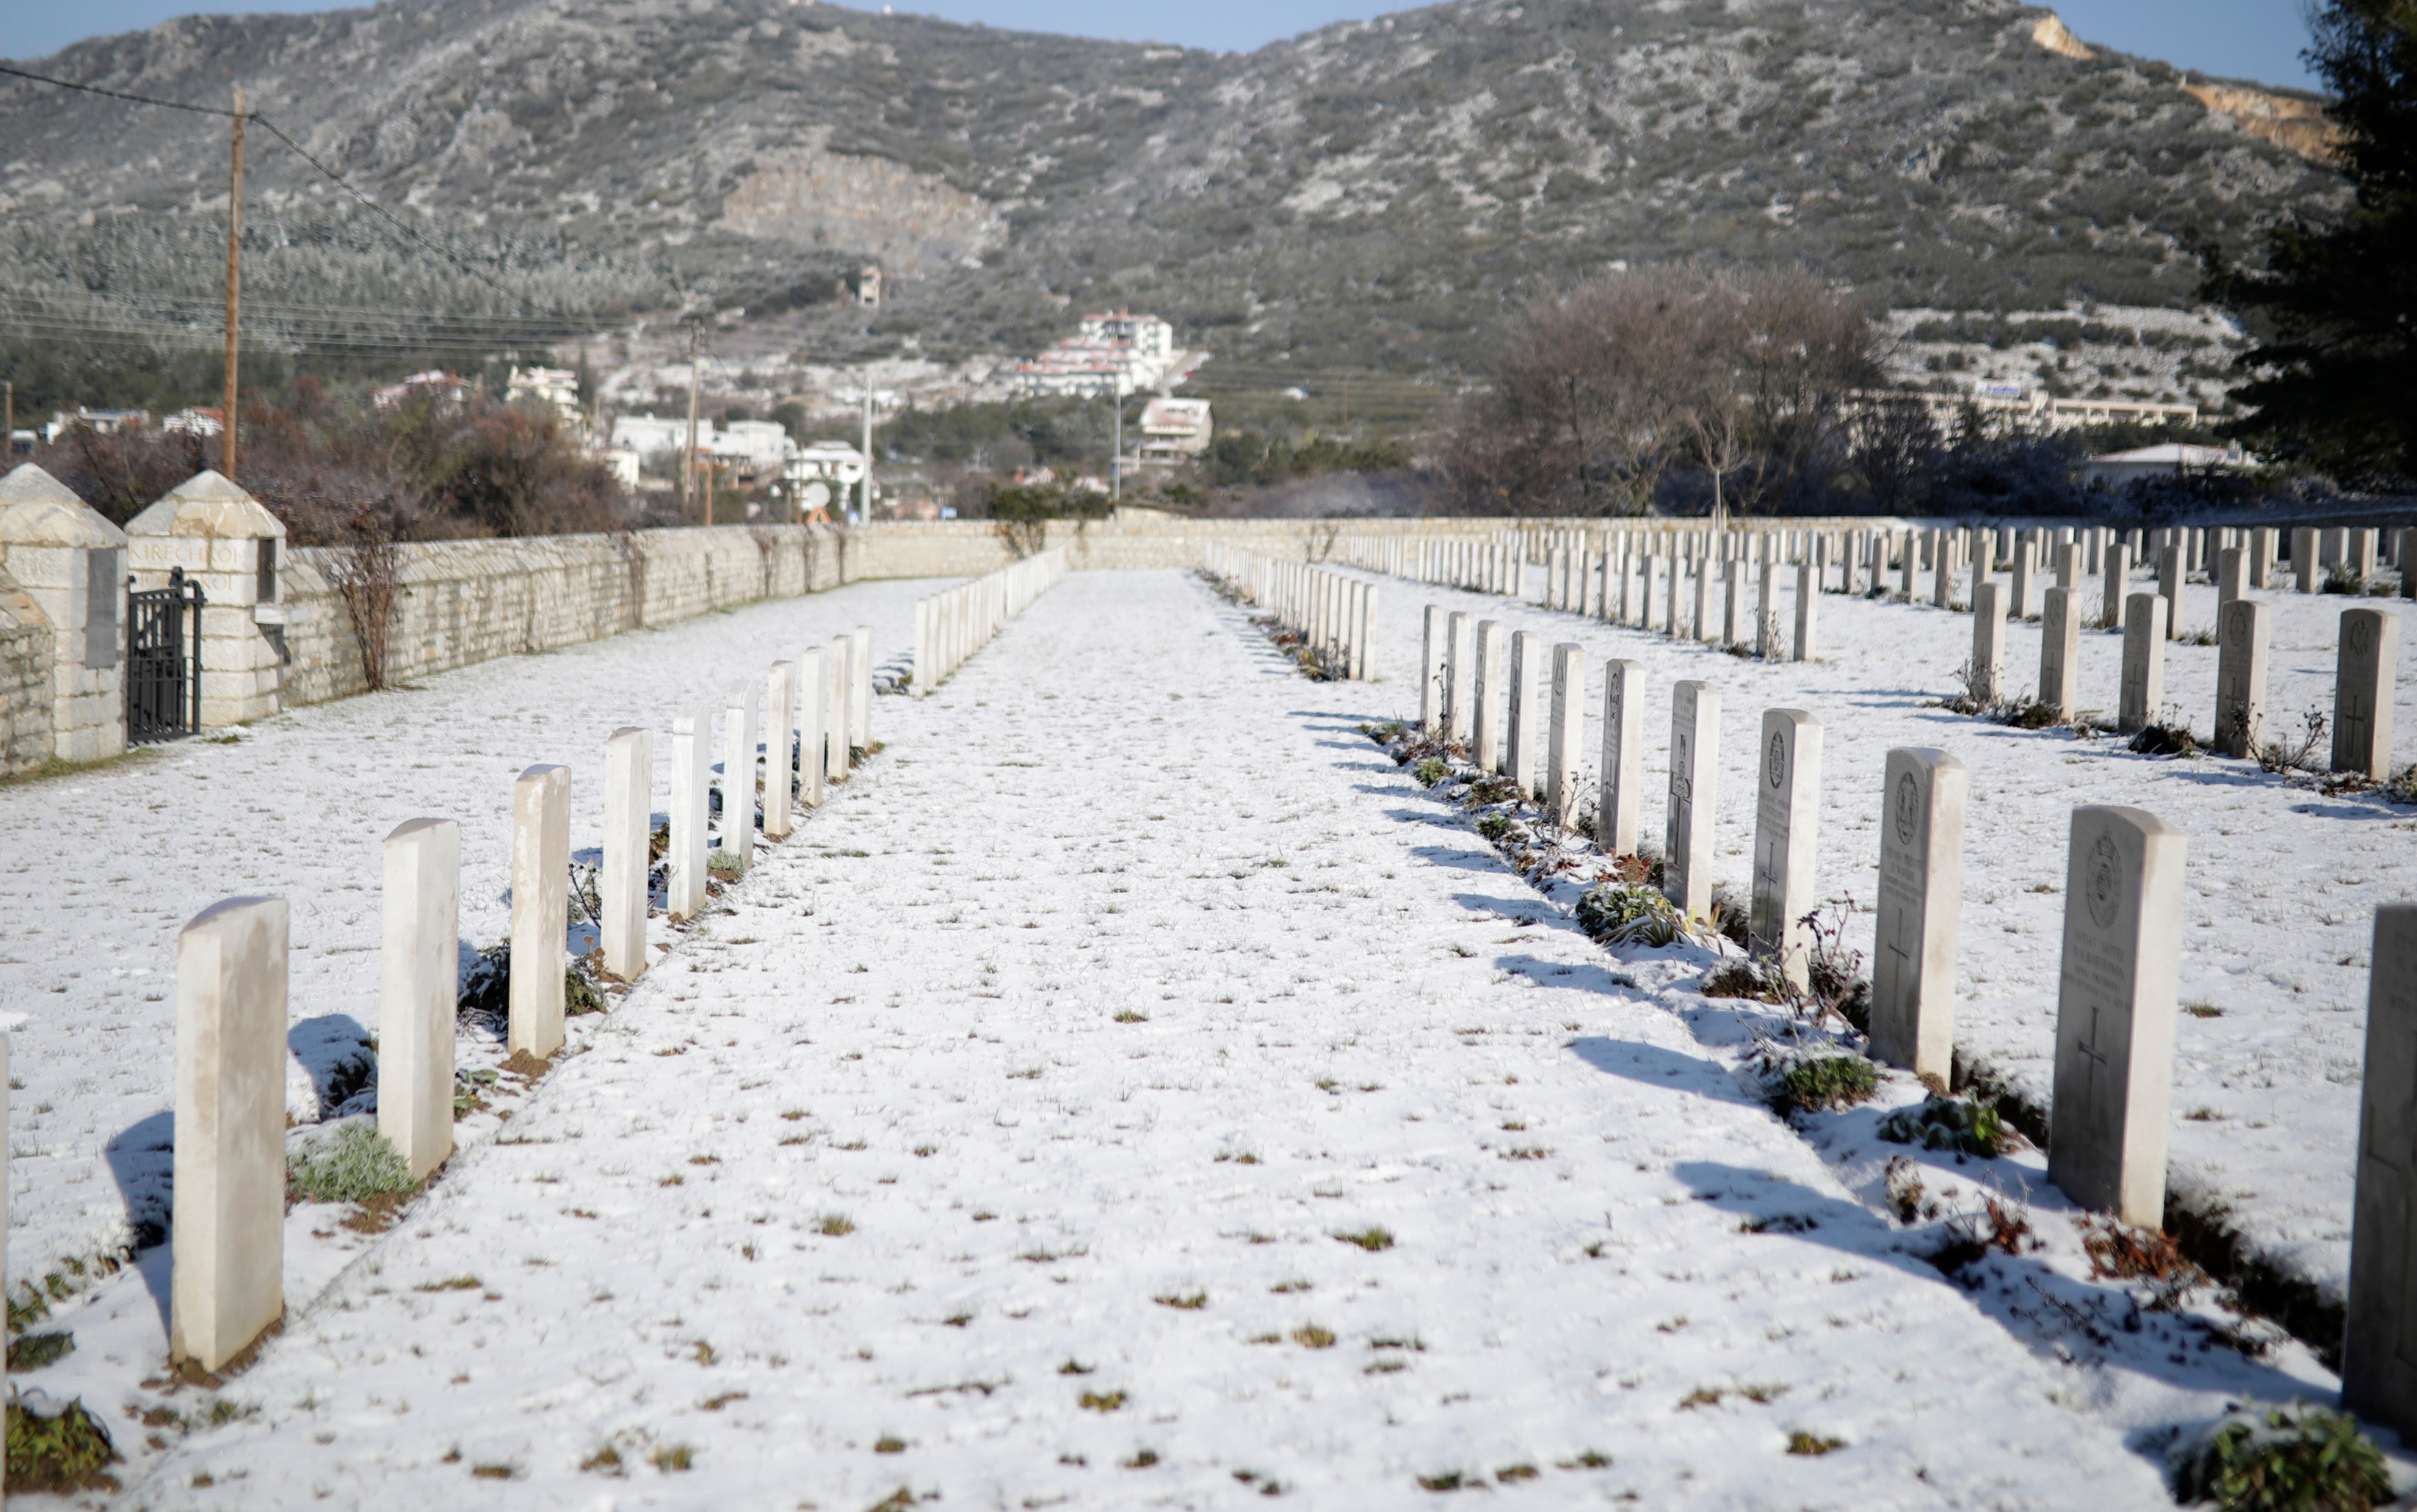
{"x": 143, "y": 1161}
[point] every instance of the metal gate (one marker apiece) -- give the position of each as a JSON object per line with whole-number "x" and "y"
{"x": 164, "y": 660}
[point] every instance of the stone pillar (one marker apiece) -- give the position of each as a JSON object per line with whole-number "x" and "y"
{"x": 2362, "y": 554}
{"x": 813, "y": 718}
{"x": 1921, "y": 909}
{"x": 2305, "y": 569}
{"x": 2068, "y": 564}
{"x": 235, "y": 549}
{"x": 2232, "y": 578}
{"x": 2240, "y": 676}
{"x": 1808, "y": 607}
{"x": 2333, "y": 545}
{"x": 622, "y": 884}
{"x": 780, "y": 719}
{"x": 1564, "y": 759}
{"x": 842, "y": 677}
{"x": 1670, "y": 599}
{"x": 1556, "y": 585}
{"x": 738, "y": 774}
{"x": 227, "y": 1241}
{"x": 2378, "y": 1369}
{"x": 2026, "y": 568}
{"x": 1492, "y": 701}
{"x": 1733, "y": 600}
{"x": 2144, "y": 663}
{"x": 1905, "y": 566}
{"x": 2365, "y": 675}
{"x": 1703, "y": 627}
{"x": 2061, "y": 652}
{"x": 1988, "y": 644}
{"x": 2169, "y": 587}
{"x": 1525, "y": 723}
{"x": 1645, "y": 592}
{"x": 1621, "y": 787}
{"x": 1694, "y": 793}
{"x": 1363, "y": 630}
{"x": 2111, "y": 608}
{"x": 540, "y": 907}
{"x": 71, "y": 562}
{"x": 1460, "y": 678}
{"x": 1431, "y": 646}
{"x": 1786, "y": 836}
{"x": 1942, "y": 570}
{"x": 2115, "y": 1012}
{"x": 691, "y": 781}
{"x": 419, "y": 970}
{"x": 2261, "y": 557}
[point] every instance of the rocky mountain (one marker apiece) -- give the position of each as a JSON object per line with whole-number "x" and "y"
{"x": 1367, "y": 195}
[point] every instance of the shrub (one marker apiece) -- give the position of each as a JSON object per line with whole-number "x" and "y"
{"x": 1429, "y": 772}
{"x": 1629, "y": 913}
{"x": 1759, "y": 980}
{"x": 1825, "y": 1083}
{"x": 722, "y": 863}
{"x": 2403, "y": 786}
{"x": 63, "y": 1453}
{"x": 486, "y": 986}
{"x": 2343, "y": 578}
{"x": 352, "y": 1163}
{"x": 1942, "y": 1123}
{"x": 2292, "y": 1458}
{"x": 1493, "y": 827}
{"x": 2164, "y": 740}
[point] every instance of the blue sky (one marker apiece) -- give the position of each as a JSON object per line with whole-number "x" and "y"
{"x": 2235, "y": 38}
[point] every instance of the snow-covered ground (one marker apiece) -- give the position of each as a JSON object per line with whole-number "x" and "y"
{"x": 98, "y": 872}
{"x": 2283, "y": 881}
{"x": 1133, "y": 1088}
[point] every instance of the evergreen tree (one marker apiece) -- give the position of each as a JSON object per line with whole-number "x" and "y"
{"x": 2334, "y": 309}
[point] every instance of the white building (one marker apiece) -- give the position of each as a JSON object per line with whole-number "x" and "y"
{"x": 1115, "y": 353}
{"x": 558, "y": 388}
{"x": 1173, "y": 429}
{"x": 2173, "y": 459}
{"x": 443, "y": 386}
{"x": 647, "y": 435}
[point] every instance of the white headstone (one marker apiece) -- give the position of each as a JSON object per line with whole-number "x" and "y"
{"x": 1988, "y": 644}
{"x": 540, "y": 907}
{"x": 227, "y": 1239}
{"x": 2240, "y": 676}
{"x": 2231, "y": 577}
{"x": 1431, "y": 649}
{"x": 1460, "y": 679}
{"x": 420, "y": 970}
{"x": 1808, "y": 607}
{"x": 2119, "y": 585}
{"x": 2365, "y": 678}
{"x": 2144, "y": 663}
{"x": 1766, "y": 612}
{"x": 779, "y": 718}
{"x": 2026, "y": 568}
{"x": 1622, "y": 783}
{"x": 1694, "y": 793}
{"x": 1921, "y": 909}
{"x": 1493, "y": 700}
{"x": 692, "y": 783}
{"x": 1524, "y": 762}
{"x": 1565, "y": 760}
{"x": 628, "y": 823}
{"x": 738, "y": 774}
{"x": 841, "y": 669}
{"x": 2061, "y": 652}
{"x": 2169, "y": 587}
{"x": 1733, "y": 607}
{"x": 813, "y": 715}
{"x": 1704, "y": 625}
{"x": 2305, "y": 569}
{"x": 1787, "y": 838}
{"x": 2378, "y": 1364}
{"x": 2115, "y": 1012}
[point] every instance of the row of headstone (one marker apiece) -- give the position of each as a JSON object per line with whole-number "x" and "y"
{"x": 1333, "y": 612}
{"x": 1516, "y": 714}
{"x": 227, "y": 1235}
{"x": 954, "y": 623}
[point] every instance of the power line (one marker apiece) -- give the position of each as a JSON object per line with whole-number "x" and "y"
{"x": 119, "y": 94}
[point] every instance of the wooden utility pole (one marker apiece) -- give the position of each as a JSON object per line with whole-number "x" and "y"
{"x": 687, "y": 461}
{"x": 234, "y": 292}
{"x": 9, "y": 426}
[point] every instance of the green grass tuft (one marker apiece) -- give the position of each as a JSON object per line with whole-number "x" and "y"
{"x": 351, "y": 1165}
{"x": 71, "y": 1452}
{"x": 2261, "y": 1458}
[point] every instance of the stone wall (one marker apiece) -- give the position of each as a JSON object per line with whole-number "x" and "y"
{"x": 24, "y": 681}
{"x": 459, "y": 602}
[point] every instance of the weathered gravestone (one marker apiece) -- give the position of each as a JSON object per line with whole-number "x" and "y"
{"x": 1460, "y": 679}
{"x": 1766, "y": 613}
{"x": 2026, "y": 568}
{"x": 1920, "y": 908}
{"x": 739, "y": 775}
{"x": 779, "y": 718}
{"x": 1733, "y": 606}
{"x": 2240, "y": 676}
{"x": 1431, "y": 645}
{"x": 2115, "y": 1012}
{"x": 2379, "y": 1344}
{"x": 813, "y": 718}
{"x": 540, "y": 908}
{"x": 227, "y": 1239}
{"x": 1808, "y": 608}
{"x": 2304, "y": 566}
{"x": 2231, "y": 579}
{"x": 1695, "y": 792}
{"x": 1786, "y": 835}
{"x": 2144, "y": 663}
{"x": 842, "y": 668}
{"x": 1621, "y": 786}
{"x": 2169, "y": 587}
{"x": 2366, "y": 675}
{"x": 419, "y": 970}
{"x": 1988, "y": 682}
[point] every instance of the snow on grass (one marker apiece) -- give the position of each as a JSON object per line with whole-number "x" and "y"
{"x": 1169, "y": 1175}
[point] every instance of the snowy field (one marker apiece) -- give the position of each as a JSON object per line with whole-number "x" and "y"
{"x": 1132, "y": 1088}
{"x": 2283, "y": 881}
{"x": 98, "y": 871}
